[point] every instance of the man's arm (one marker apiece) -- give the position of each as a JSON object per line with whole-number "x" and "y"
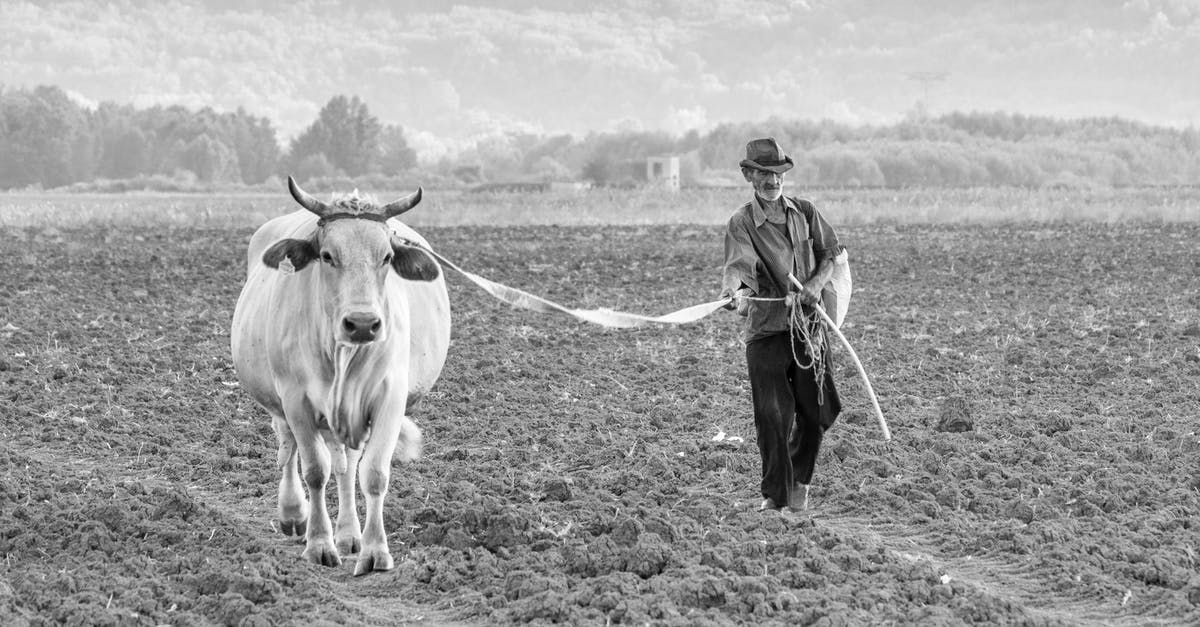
{"x": 739, "y": 277}
{"x": 826, "y": 247}
{"x": 817, "y": 282}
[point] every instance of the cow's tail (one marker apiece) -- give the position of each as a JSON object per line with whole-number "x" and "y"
{"x": 408, "y": 446}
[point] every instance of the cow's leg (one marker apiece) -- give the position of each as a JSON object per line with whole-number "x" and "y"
{"x": 347, "y": 535}
{"x": 314, "y": 469}
{"x": 293, "y": 507}
{"x": 374, "y": 475}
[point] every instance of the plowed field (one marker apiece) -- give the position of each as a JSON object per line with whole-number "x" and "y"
{"x": 1041, "y": 383}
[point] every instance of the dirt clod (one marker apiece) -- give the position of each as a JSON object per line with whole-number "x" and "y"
{"x": 955, "y": 416}
{"x": 556, "y": 490}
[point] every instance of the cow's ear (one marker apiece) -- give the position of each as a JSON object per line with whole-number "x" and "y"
{"x": 300, "y": 252}
{"x": 413, "y": 263}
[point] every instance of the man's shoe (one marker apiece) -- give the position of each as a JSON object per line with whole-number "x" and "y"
{"x": 767, "y": 504}
{"x": 798, "y": 497}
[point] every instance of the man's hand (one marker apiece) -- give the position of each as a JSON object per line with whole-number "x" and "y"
{"x": 741, "y": 299}
{"x": 808, "y": 296}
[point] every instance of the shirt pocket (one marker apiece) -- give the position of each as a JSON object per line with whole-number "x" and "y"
{"x": 805, "y": 261}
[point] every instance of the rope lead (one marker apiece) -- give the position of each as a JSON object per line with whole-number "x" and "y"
{"x": 811, "y": 331}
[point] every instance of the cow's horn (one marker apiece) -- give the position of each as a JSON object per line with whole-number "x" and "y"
{"x": 306, "y": 200}
{"x": 404, "y": 204}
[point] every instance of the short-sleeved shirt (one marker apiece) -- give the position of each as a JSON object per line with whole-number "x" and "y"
{"x": 759, "y": 255}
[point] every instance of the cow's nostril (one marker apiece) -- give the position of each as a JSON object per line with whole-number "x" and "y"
{"x": 361, "y": 327}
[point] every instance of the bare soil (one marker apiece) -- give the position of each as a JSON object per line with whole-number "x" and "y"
{"x": 1040, "y": 382}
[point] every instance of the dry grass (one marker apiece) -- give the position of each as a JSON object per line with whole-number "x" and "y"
{"x": 607, "y": 207}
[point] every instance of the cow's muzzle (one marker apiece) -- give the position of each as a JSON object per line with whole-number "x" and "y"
{"x": 361, "y": 328}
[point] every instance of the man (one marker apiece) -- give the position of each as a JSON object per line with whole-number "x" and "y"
{"x": 791, "y": 381}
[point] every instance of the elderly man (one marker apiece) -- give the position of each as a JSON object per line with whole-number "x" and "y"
{"x": 791, "y": 382}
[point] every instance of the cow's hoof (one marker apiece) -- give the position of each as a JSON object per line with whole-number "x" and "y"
{"x": 349, "y": 545}
{"x": 294, "y": 527}
{"x": 370, "y": 561}
{"x": 322, "y": 553}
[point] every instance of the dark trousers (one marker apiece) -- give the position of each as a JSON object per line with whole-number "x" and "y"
{"x": 790, "y": 416}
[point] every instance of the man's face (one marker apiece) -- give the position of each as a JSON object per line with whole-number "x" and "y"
{"x": 768, "y": 185}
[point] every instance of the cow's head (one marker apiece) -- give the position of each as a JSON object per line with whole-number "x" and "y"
{"x": 352, "y": 251}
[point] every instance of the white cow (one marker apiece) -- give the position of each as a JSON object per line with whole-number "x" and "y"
{"x": 342, "y": 326}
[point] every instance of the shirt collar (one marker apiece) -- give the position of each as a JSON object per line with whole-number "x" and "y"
{"x": 760, "y": 216}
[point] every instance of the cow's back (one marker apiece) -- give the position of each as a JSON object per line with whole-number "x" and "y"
{"x": 429, "y": 307}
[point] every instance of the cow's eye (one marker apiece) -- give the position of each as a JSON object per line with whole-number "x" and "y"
{"x": 387, "y": 259}
{"x": 327, "y": 257}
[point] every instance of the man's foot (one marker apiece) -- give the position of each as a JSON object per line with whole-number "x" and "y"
{"x": 767, "y": 505}
{"x": 798, "y": 497}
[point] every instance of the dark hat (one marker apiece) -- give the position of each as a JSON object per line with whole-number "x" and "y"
{"x": 765, "y": 154}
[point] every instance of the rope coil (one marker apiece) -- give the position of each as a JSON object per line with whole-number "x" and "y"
{"x": 811, "y": 332}
{"x": 809, "y": 329}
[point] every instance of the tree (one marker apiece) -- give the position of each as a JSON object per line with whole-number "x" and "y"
{"x": 555, "y": 147}
{"x": 124, "y": 153}
{"x": 211, "y": 160}
{"x": 548, "y": 169}
{"x": 18, "y": 155}
{"x": 314, "y": 166}
{"x": 837, "y": 165}
{"x": 395, "y": 154}
{"x": 44, "y": 139}
{"x": 253, "y": 139}
{"x": 601, "y": 170}
{"x": 346, "y": 133}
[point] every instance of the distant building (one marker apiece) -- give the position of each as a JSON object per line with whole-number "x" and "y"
{"x": 663, "y": 171}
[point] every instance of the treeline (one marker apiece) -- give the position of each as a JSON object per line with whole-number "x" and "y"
{"x": 47, "y": 140}
{"x": 957, "y": 150}
{"x": 972, "y": 149}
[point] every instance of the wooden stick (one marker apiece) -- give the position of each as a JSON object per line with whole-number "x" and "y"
{"x": 887, "y": 434}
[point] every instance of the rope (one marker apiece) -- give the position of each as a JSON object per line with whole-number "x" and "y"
{"x": 603, "y": 317}
{"x": 810, "y": 330}
{"x": 812, "y": 333}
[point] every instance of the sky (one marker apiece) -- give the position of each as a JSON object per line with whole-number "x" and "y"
{"x": 454, "y": 73}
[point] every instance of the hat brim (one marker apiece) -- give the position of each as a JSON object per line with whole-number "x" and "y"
{"x": 779, "y": 168}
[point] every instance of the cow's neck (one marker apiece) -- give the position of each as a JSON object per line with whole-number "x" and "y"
{"x": 353, "y": 384}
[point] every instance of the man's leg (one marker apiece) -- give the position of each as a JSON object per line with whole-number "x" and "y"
{"x": 768, "y": 360}
{"x": 816, "y": 410}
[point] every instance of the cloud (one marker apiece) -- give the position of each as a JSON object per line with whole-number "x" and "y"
{"x": 681, "y": 120}
{"x": 461, "y": 71}
{"x": 82, "y": 100}
{"x": 625, "y": 125}
{"x": 430, "y": 147}
{"x": 850, "y": 113}
{"x": 1175, "y": 13}
{"x": 1160, "y": 24}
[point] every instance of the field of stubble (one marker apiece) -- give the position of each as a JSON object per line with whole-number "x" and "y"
{"x": 1042, "y": 382}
